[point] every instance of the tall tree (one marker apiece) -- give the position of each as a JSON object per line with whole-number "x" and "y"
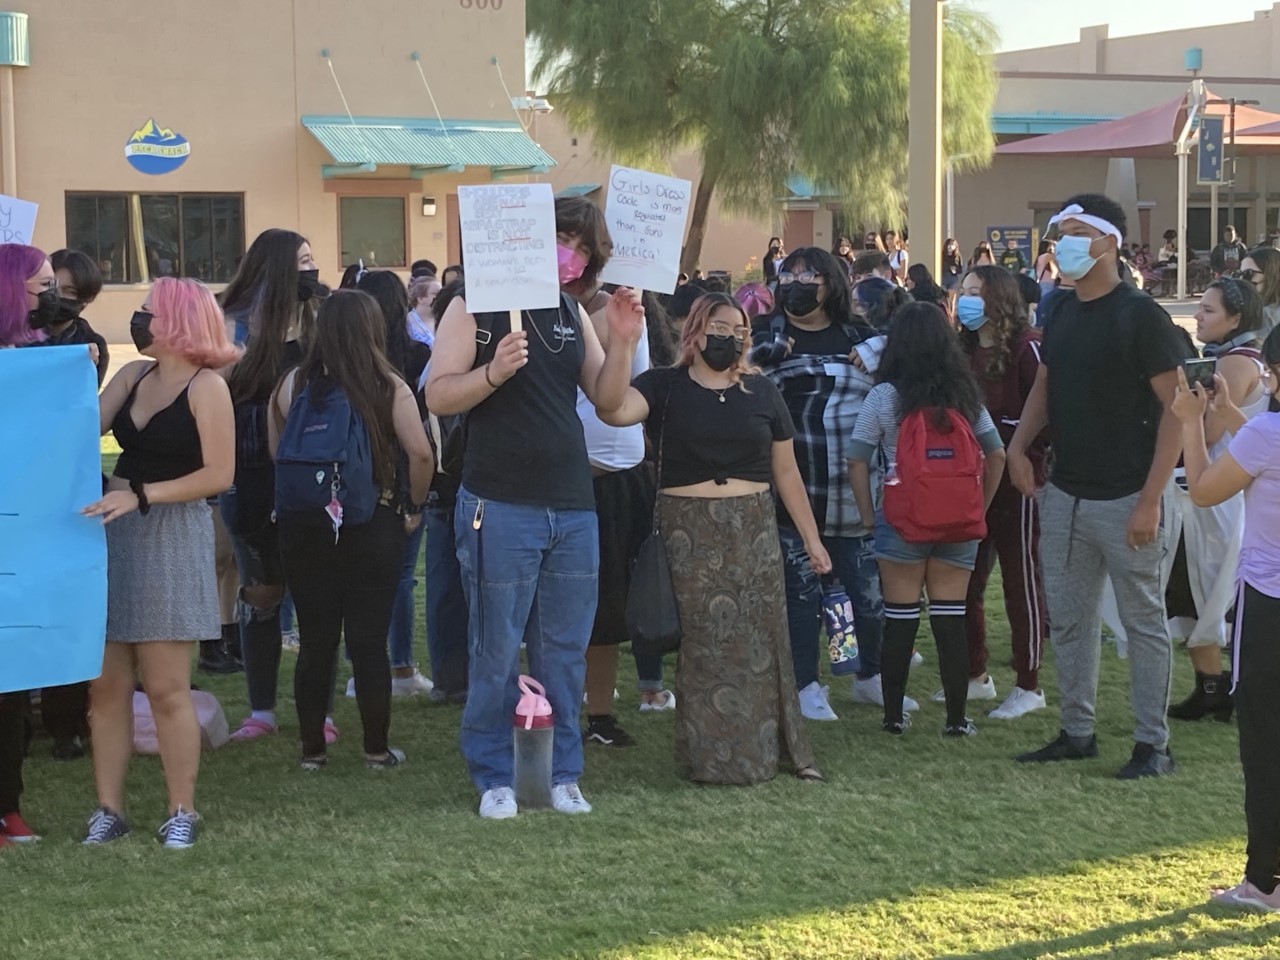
{"x": 762, "y": 89}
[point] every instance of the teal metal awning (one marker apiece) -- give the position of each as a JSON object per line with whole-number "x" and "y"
{"x": 1034, "y": 124}
{"x": 579, "y": 190}
{"x": 363, "y": 144}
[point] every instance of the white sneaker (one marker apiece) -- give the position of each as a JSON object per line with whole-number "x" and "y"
{"x": 870, "y": 691}
{"x": 498, "y": 804}
{"x": 567, "y": 798}
{"x": 978, "y": 690}
{"x": 1018, "y": 704}
{"x": 351, "y": 688}
{"x": 665, "y": 700}
{"x": 814, "y": 703}
{"x": 411, "y": 686}
{"x": 916, "y": 659}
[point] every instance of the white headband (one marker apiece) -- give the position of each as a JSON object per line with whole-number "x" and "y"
{"x": 1076, "y": 212}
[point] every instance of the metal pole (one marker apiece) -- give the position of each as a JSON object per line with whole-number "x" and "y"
{"x": 924, "y": 136}
{"x": 1213, "y": 214}
{"x": 1231, "y": 184}
{"x": 1182, "y": 223}
{"x": 951, "y": 200}
{"x": 8, "y": 135}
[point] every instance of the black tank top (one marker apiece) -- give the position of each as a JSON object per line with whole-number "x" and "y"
{"x": 166, "y": 448}
{"x": 525, "y": 442}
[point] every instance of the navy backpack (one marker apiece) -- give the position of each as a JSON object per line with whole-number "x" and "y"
{"x": 325, "y": 456}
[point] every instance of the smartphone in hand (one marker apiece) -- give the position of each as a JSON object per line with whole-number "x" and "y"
{"x": 1201, "y": 372}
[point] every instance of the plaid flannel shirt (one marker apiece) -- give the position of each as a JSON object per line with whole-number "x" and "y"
{"x": 824, "y": 395}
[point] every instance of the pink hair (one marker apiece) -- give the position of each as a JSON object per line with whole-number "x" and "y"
{"x": 18, "y": 264}
{"x": 755, "y": 298}
{"x": 694, "y": 327}
{"x": 189, "y": 322}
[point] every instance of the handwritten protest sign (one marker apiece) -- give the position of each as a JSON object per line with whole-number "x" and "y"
{"x": 17, "y": 220}
{"x": 53, "y": 560}
{"x": 646, "y": 213}
{"x": 509, "y": 241}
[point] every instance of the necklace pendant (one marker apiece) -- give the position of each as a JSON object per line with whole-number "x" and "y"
{"x": 722, "y": 398}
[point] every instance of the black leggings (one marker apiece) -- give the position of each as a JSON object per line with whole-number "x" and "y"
{"x": 1258, "y": 716}
{"x": 345, "y": 588}
{"x": 14, "y": 710}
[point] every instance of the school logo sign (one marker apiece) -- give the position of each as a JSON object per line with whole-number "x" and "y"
{"x": 154, "y": 149}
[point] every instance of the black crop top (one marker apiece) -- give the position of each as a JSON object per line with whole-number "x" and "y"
{"x": 166, "y": 448}
{"x": 707, "y": 439}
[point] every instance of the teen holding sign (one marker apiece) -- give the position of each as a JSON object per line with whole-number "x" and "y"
{"x": 525, "y": 519}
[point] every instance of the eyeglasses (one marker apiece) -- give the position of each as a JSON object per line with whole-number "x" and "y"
{"x": 1248, "y": 276}
{"x": 50, "y": 284}
{"x": 721, "y": 329}
{"x": 809, "y": 277}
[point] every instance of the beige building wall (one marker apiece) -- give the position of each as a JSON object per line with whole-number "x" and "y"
{"x": 234, "y": 77}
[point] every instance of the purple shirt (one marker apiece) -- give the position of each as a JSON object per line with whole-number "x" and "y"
{"x": 1257, "y": 449}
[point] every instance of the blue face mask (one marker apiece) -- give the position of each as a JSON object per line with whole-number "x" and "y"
{"x": 971, "y": 312}
{"x": 1073, "y": 256}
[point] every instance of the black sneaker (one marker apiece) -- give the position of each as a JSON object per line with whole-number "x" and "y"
{"x": 104, "y": 826}
{"x": 966, "y": 729}
{"x": 179, "y": 831}
{"x": 897, "y": 727}
{"x": 605, "y": 731}
{"x": 394, "y": 758}
{"x": 214, "y": 659}
{"x": 68, "y": 748}
{"x": 1147, "y": 761}
{"x": 1066, "y": 747}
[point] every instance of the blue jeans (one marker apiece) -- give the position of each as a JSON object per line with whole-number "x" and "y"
{"x": 648, "y": 672}
{"x": 400, "y": 636}
{"x": 529, "y": 573}
{"x": 853, "y": 563}
{"x": 446, "y": 606}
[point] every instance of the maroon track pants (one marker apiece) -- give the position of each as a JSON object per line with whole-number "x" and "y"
{"x": 1013, "y": 535}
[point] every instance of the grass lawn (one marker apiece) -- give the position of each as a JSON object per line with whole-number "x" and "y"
{"x": 916, "y": 848}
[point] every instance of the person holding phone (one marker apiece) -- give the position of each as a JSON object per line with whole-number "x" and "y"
{"x": 1248, "y": 467}
{"x": 1202, "y": 586}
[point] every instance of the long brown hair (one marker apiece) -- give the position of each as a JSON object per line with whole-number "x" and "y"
{"x": 1006, "y": 314}
{"x": 348, "y": 349}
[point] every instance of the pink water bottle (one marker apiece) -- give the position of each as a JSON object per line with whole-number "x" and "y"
{"x": 533, "y": 737}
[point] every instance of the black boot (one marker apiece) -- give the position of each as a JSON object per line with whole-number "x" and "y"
{"x": 1210, "y": 698}
{"x": 231, "y": 644}
{"x": 214, "y": 659}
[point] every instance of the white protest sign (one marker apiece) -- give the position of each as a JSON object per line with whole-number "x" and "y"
{"x": 646, "y": 213}
{"x": 509, "y": 246}
{"x": 17, "y": 220}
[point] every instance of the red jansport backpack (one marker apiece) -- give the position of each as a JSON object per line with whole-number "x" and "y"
{"x": 938, "y": 496}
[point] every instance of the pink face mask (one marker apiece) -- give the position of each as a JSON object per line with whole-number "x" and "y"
{"x": 571, "y": 262}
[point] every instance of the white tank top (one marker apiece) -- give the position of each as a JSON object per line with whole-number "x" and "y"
{"x": 614, "y": 448}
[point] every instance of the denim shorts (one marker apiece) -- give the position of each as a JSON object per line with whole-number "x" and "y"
{"x": 891, "y": 546}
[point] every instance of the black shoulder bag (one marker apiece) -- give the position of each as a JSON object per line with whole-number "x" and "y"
{"x": 652, "y": 615}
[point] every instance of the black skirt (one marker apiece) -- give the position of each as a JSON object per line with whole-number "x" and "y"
{"x": 624, "y": 507}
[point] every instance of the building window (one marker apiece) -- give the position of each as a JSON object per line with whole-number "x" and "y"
{"x": 372, "y": 229}
{"x": 137, "y": 237}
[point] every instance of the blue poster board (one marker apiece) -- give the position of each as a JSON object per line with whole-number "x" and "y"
{"x": 53, "y": 560}
{"x": 1210, "y": 167}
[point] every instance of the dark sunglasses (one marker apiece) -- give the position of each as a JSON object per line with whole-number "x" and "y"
{"x": 1249, "y": 275}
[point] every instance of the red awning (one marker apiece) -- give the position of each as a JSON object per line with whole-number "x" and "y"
{"x": 1151, "y": 133}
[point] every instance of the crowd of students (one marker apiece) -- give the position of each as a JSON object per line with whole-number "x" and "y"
{"x": 827, "y": 426}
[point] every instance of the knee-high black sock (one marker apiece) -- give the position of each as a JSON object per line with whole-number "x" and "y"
{"x": 901, "y": 623}
{"x": 947, "y": 618}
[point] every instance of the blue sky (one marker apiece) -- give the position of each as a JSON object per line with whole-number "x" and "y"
{"x": 1042, "y": 23}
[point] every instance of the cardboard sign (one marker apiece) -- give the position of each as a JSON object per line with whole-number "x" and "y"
{"x": 53, "y": 560}
{"x": 509, "y": 246}
{"x": 647, "y": 214}
{"x": 17, "y": 220}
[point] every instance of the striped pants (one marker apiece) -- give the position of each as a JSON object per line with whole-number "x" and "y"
{"x": 1013, "y": 535}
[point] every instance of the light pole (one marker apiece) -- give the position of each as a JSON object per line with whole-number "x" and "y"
{"x": 924, "y": 136}
{"x": 1231, "y": 135}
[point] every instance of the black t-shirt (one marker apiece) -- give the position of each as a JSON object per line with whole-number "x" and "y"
{"x": 525, "y": 442}
{"x": 830, "y": 341}
{"x": 1103, "y": 414}
{"x": 80, "y": 332}
{"x": 706, "y": 439}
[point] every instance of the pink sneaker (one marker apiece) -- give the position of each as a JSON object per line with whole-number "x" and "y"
{"x": 330, "y": 732}
{"x": 1246, "y": 895}
{"x": 251, "y": 729}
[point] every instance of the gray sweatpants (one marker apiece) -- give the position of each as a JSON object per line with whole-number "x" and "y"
{"x": 1081, "y": 543}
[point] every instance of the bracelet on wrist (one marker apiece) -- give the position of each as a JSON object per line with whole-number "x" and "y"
{"x": 488, "y": 379}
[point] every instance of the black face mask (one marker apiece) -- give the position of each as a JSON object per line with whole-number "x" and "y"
{"x": 46, "y": 312}
{"x": 309, "y": 286}
{"x": 800, "y": 299}
{"x": 140, "y": 329}
{"x": 721, "y": 352}
{"x": 68, "y": 310}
